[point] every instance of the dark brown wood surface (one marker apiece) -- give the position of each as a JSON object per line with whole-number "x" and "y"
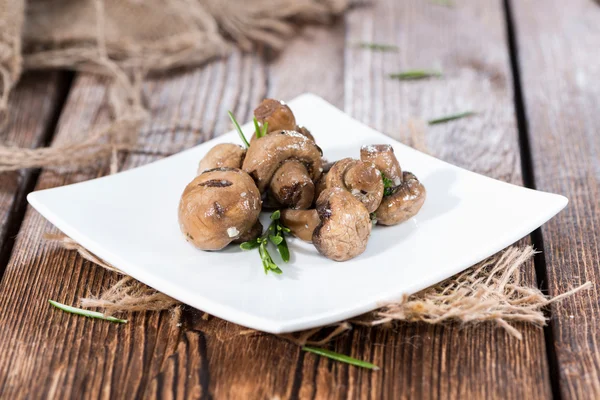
{"x": 29, "y": 123}
{"x": 47, "y": 353}
{"x": 559, "y": 64}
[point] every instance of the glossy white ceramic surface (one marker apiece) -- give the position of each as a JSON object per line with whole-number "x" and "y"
{"x": 130, "y": 220}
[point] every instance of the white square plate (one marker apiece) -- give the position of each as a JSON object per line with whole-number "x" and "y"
{"x": 130, "y": 220}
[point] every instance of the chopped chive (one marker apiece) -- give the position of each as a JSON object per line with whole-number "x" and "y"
{"x": 388, "y": 185}
{"x": 377, "y": 46}
{"x": 238, "y": 128}
{"x": 265, "y": 128}
{"x": 340, "y": 357}
{"x": 276, "y": 240}
{"x": 446, "y": 3}
{"x": 274, "y": 234}
{"x": 85, "y": 313}
{"x": 250, "y": 245}
{"x": 451, "y": 117}
{"x": 283, "y": 249}
{"x": 257, "y": 128}
{"x": 415, "y": 74}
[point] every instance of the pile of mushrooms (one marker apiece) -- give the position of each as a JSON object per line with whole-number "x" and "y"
{"x": 331, "y": 205}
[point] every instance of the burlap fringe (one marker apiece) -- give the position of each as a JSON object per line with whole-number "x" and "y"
{"x": 491, "y": 291}
{"x": 248, "y": 23}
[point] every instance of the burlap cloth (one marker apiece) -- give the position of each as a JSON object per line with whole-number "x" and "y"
{"x": 128, "y": 39}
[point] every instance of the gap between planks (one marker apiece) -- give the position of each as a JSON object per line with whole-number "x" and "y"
{"x": 528, "y": 174}
{"x": 16, "y": 213}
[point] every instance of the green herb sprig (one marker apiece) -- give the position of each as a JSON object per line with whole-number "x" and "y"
{"x": 373, "y": 217}
{"x": 238, "y": 128}
{"x": 446, "y": 3}
{"x": 451, "y": 117}
{"x": 275, "y": 234}
{"x": 388, "y": 185}
{"x": 260, "y": 132}
{"x": 86, "y": 313}
{"x": 341, "y": 357}
{"x": 377, "y": 46}
{"x": 415, "y": 74}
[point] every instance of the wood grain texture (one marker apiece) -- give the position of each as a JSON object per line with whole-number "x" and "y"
{"x": 558, "y": 54}
{"x": 75, "y": 357}
{"x": 70, "y": 357}
{"x": 152, "y": 356}
{"x": 417, "y": 360}
{"x": 467, "y": 42}
{"x": 264, "y": 366}
{"x": 30, "y": 114}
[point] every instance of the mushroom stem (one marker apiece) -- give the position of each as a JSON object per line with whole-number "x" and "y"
{"x": 382, "y": 155}
{"x": 292, "y": 186}
{"x": 404, "y": 203}
{"x": 301, "y": 223}
{"x": 362, "y": 179}
{"x": 344, "y": 226}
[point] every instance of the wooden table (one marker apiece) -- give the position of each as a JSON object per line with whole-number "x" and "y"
{"x": 529, "y": 67}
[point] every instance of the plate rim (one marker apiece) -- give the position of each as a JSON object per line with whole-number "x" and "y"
{"x": 254, "y": 321}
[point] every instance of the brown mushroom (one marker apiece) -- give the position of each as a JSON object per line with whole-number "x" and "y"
{"x": 320, "y": 185}
{"x": 267, "y": 162}
{"x": 382, "y": 155}
{"x": 218, "y": 207}
{"x": 304, "y": 131}
{"x": 345, "y": 225}
{"x": 277, "y": 114}
{"x": 253, "y": 233}
{"x": 302, "y": 223}
{"x": 404, "y": 202}
{"x": 279, "y": 117}
{"x": 223, "y": 155}
{"x": 292, "y": 186}
{"x": 360, "y": 178}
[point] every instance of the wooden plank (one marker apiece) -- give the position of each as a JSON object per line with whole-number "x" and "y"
{"x": 31, "y": 110}
{"x": 264, "y": 366}
{"x": 68, "y": 356}
{"x": 417, "y": 360}
{"x": 118, "y": 360}
{"x": 467, "y": 42}
{"x": 150, "y": 356}
{"x": 558, "y": 53}
{"x": 186, "y": 109}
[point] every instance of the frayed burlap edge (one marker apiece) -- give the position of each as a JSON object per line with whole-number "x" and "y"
{"x": 246, "y": 25}
{"x": 491, "y": 291}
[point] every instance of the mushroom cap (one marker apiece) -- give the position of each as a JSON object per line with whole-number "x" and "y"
{"x": 292, "y": 186}
{"x": 382, "y": 155}
{"x": 277, "y": 114}
{"x": 404, "y": 203}
{"x": 223, "y": 155}
{"x": 362, "y": 179}
{"x": 253, "y": 233}
{"x": 217, "y": 207}
{"x": 302, "y": 223}
{"x": 268, "y": 153}
{"x": 321, "y": 184}
{"x": 345, "y": 226}
{"x": 304, "y": 131}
